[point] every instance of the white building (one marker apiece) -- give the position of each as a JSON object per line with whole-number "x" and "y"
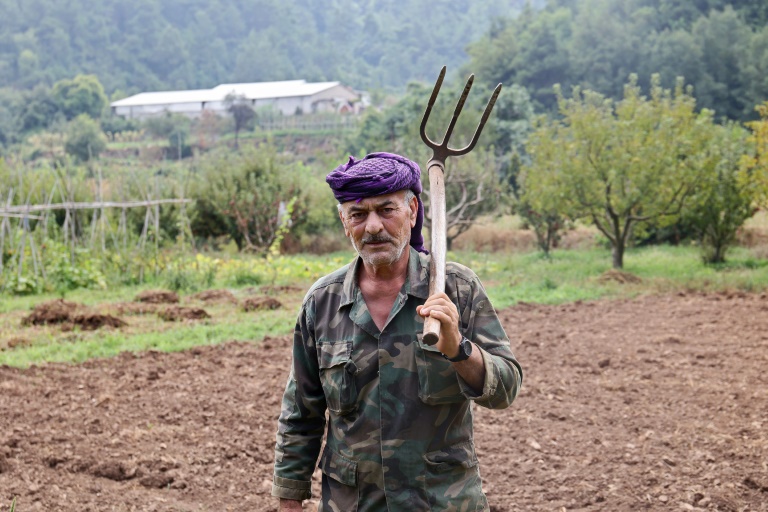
{"x": 287, "y": 97}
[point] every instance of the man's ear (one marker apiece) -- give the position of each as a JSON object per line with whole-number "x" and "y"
{"x": 414, "y": 210}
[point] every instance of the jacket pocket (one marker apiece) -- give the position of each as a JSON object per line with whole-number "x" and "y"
{"x": 438, "y": 382}
{"x": 339, "y": 486}
{"x": 337, "y": 374}
{"x": 453, "y": 479}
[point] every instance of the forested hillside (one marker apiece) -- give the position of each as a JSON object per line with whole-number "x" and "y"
{"x": 720, "y": 47}
{"x": 186, "y": 44}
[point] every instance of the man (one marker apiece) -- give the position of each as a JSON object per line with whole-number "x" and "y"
{"x": 399, "y": 429}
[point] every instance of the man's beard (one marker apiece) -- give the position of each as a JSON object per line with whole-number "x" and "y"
{"x": 378, "y": 258}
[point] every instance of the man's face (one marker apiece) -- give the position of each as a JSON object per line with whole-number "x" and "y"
{"x": 379, "y": 227}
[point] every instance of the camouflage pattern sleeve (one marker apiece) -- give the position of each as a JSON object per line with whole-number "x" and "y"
{"x": 481, "y": 325}
{"x": 302, "y": 418}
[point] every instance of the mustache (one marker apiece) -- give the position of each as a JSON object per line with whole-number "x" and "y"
{"x": 375, "y": 239}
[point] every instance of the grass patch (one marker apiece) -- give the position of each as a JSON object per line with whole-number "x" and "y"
{"x": 575, "y": 274}
{"x": 510, "y": 278}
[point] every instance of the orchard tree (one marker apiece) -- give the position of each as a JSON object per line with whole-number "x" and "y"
{"x": 620, "y": 164}
{"x": 755, "y": 165}
{"x": 725, "y": 197}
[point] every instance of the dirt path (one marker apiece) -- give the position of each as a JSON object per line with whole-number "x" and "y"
{"x": 649, "y": 404}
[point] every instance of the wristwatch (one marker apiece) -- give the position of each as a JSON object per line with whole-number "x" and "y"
{"x": 465, "y": 350}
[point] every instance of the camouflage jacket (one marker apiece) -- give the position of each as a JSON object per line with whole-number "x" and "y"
{"x": 399, "y": 428}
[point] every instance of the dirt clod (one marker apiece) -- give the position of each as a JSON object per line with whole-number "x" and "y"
{"x": 16, "y": 342}
{"x": 93, "y": 321}
{"x": 158, "y": 297}
{"x": 133, "y": 308}
{"x": 113, "y": 470}
{"x": 178, "y": 313}
{"x": 156, "y": 481}
{"x": 261, "y": 304}
{"x": 619, "y": 276}
{"x": 52, "y": 312}
{"x": 215, "y": 296}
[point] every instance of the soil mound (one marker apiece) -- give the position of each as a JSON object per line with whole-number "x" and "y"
{"x": 133, "y": 308}
{"x": 215, "y": 296}
{"x": 93, "y": 321}
{"x": 261, "y": 304}
{"x": 16, "y": 342}
{"x": 178, "y": 313}
{"x": 280, "y": 289}
{"x": 158, "y": 297}
{"x": 51, "y": 312}
{"x": 619, "y": 276}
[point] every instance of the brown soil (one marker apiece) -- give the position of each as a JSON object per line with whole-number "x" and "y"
{"x": 178, "y": 313}
{"x": 52, "y": 312}
{"x": 280, "y": 289}
{"x": 93, "y": 321}
{"x": 16, "y": 342}
{"x": 619, "y": 276}
{"x": 656, "y": 403}
{"x": 261, "y": 303}
{"x": 215, "y": 296}
{"x": 132, "y": 308}
{"x": 158, "y": 297}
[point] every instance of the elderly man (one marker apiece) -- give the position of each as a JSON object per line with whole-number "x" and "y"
{"x": 399, "y": 427}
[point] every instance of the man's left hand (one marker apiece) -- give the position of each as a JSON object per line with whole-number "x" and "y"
{"x": 440, "y": 307}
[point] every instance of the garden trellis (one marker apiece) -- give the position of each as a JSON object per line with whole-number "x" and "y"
{"x": 27, "y": 231}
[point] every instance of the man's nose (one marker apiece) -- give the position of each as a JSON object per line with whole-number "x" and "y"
{"x": 373, "y": 224}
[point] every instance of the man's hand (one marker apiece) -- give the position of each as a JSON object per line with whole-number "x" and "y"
{"x": 290, "y": 505}
{"x": 440, "y": 307}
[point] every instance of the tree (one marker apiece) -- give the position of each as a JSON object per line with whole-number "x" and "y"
{"x": 84, "y": 94}
{"x": 725, "y": 197}
{"x": 620, "y": 164}
{"x": 472, "y": 189}
{"x": 242, "y": 113}
{"x": 240, "y": 195}
{"x": 84, "y": 138}
{"x": 755, "y": 165}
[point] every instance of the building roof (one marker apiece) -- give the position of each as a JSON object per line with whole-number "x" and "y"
{"x": 251, "y": 91}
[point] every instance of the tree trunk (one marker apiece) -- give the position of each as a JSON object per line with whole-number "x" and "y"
{"x": 617, "y": 252}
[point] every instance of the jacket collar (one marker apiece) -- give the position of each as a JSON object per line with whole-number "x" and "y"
{"x": 416, "y": 283}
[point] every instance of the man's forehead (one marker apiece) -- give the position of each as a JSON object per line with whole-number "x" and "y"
{"x": 374, "y": 201}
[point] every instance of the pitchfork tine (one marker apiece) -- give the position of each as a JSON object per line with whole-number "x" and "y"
{"x": 435, "y": 91}
{"x": 486, "y": 114}
{"x": 457, "y": 111}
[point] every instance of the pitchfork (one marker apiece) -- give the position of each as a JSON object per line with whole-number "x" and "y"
{"x": 436, "y": 169}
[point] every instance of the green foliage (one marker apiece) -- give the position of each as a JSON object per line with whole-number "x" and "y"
{"x": 241, "y": 195}
{"x": 188, "y": 44}
{"x": 84, "y": 138}
{"x": 173, "y": 127}
{"x": 718, "y": 46}
{"x": 84, "y": 94}
{"x": 619, "y": 165}
{"x": 725, "y": 197}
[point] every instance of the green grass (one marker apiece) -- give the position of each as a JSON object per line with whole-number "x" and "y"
{"x": 575, "y": 274}
{"x": 238, "y": 327}
{"x": 509, "y": 279}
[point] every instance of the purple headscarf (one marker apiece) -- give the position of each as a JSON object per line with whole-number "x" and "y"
{"x": 375, "y": 175}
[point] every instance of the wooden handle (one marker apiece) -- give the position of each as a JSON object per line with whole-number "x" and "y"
{"x": 438, "y": 249}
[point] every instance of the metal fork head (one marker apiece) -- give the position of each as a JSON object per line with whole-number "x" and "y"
{"x": 441, "y": 151}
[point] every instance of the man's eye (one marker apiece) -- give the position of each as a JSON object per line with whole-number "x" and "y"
{"x": 387, "y": 211}
{"x": 357, "y": 215}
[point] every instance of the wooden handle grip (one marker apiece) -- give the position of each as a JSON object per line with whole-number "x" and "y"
{"x": 438, "y": 249}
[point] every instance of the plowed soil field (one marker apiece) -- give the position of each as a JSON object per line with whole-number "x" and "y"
{"x": 655, "y": 403}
